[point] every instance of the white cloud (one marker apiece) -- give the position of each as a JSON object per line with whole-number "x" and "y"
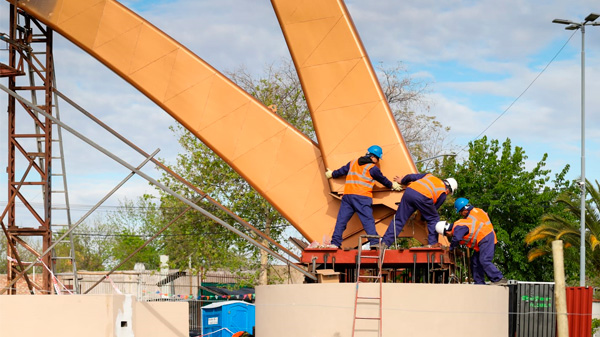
{"x": 479, "y": 55}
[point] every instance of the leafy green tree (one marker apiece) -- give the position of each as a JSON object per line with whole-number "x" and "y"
{"x": 196, "y": 239}
{"x": 107, "y": 241}
{"x": 495, "y": 178}
{"x": 133, "y": 223}
{"x": 565, "y": 226}
{"x": 93, "y": 247}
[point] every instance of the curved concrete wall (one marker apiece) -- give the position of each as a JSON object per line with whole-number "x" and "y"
{"x": 424, "y": 310}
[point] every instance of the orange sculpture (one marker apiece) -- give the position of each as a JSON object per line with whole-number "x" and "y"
{"x": 340, "y": 85}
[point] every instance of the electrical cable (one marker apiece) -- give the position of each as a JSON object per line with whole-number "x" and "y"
{"x": 522, "y": 93}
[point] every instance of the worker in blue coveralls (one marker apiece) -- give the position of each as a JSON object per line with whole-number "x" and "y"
{"x": 474, "y": 230}
{"x": 361, "y": 174}
{"x": 425, "y": 193}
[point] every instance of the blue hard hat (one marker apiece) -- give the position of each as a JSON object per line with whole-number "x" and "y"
{"x": 376, "y": 151}
{"x": 460, "y": 203}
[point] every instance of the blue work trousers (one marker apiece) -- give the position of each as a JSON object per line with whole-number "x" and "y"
{"x": 410, "y": 202}
{"x": 352, "y": 203}
{"x": 481, "y": 261}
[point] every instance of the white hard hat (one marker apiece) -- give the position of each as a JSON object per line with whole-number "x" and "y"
{"x": 453, "y": 185}
{"x": 442, "y": 226}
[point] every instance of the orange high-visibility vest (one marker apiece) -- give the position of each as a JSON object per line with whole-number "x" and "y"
{"x": 479, "y": 226}
{"x": 359, "y": 180}
{"x": 429, "y": 186}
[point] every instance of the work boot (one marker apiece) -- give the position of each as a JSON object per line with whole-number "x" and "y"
{"x": 502, "y": 282}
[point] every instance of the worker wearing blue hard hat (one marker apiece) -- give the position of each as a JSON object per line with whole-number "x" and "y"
{"x": 361, "y": 175}
{"x": 474, "y": 230}
{"x": 425, "y": 193}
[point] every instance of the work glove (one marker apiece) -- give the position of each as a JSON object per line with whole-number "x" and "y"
{"x": 396, "y": 187}
{"x": 329, "y": 173}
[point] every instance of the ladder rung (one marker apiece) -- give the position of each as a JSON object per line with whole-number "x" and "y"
{"x": 369, "y": 257}
{"x": 368, "y": 298}
{"x": 62, "y": 258}
{"x": 369, "y": 277}
{"x": 377, "y": 318}
{"x": 57, "y": 174}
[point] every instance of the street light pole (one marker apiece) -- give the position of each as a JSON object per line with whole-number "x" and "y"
{"x": 589, "y": 20}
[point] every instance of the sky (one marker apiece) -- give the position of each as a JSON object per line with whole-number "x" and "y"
{"x": 496, "y": 68}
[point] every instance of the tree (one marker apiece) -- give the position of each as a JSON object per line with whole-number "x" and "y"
{"x": 93, "y": 247}
{"x": 196, "y": 239}
{"x": 106, "y": 242}
{"x": 494, "y": 178}
{"x": 565, "y": 226}
{"x": 423, "y": 134}
{"x": 133, "y": 223}
{"x": 279, "y": 89}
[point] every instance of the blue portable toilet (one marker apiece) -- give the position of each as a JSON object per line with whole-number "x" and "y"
{"x": 230, "y": 315}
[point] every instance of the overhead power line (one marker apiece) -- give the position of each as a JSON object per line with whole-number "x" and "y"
{"x": 523, "y": 92}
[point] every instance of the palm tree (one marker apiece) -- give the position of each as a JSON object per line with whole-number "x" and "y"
{"x": 566, "y": 226}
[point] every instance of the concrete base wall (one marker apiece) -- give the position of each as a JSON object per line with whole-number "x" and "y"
{"x": 424, "y": 310}
{"x": 91, "y": 316}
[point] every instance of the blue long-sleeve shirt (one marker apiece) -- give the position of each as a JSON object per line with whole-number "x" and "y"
{"x": 374, "y": 171}
{"x": 458, "y": 234}
{"x": 409, "y": 178}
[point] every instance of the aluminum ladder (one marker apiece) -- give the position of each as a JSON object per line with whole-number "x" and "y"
{"x": 65, "y": 250}
{"x": 362, "y": 301}
{"x": 68, "y": 251}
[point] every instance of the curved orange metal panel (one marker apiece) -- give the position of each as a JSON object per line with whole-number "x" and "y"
{"x": 347, "y": 105}
{"x": 227, "y": 119}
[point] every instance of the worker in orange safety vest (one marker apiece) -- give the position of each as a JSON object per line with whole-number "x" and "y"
{"x": 361, "y": 175}
{"x": 475, "y": 231}
{"x": 425, "y": 193}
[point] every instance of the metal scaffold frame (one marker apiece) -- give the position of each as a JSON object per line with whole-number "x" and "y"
{"x": 27, "y": 146}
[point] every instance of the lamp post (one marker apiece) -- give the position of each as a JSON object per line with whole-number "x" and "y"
{"x": 588, "y": 21}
